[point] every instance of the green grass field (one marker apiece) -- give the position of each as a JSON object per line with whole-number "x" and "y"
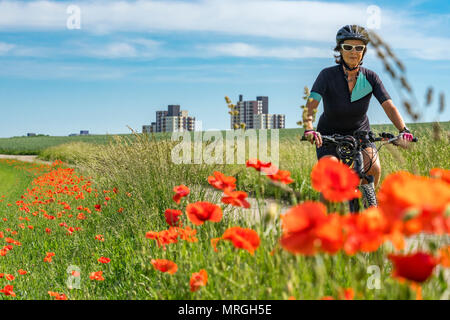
{"x": 12, "y": 180}
{"x": 37, "y": 145}
{"x": 144, "y": 175}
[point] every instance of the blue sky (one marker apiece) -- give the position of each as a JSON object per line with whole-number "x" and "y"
{"x": 131, "y": 58}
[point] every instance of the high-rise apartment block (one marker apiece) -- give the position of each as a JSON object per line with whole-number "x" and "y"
{"x": 173, "y": 119}
{"x": 255, "y": 115}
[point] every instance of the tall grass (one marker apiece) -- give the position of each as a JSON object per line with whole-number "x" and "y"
{"x": 143, "y": 167}
{"x": 148, "y": 155}
{"x": 142, "y": 170}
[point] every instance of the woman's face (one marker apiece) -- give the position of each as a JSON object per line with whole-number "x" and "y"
{"x": 352, "y": 58}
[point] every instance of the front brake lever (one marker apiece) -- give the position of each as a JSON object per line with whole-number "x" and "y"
{"x": 394, "y": 141}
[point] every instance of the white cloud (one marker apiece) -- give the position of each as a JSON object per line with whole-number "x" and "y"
{"x": 239, "y": 49}
{"x": 53, "y": 70}
{"x": 12, "y": 49}
{"x": 5, "y": 48}
{"x": 115, "y": 50}
{"x": 122, "y": 48}
{"x": 269, "y": 18}
{"x": 130, "y": 48}
{"x": 312, "y": 21}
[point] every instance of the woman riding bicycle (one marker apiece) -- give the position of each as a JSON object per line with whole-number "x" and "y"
{"x": 346, "y": 90}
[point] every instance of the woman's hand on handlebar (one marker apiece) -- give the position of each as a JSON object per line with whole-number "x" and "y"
{"x": 407, "y": 136}
{"x": 313, "y": 136}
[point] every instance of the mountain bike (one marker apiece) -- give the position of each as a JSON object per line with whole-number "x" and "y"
{"x": 350, "y": 149}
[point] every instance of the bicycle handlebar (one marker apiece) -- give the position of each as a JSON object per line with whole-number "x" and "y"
{"x": 384, "y": 136}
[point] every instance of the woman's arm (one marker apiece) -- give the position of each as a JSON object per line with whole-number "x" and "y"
{"x": 310, "y": 106}
{"x": 393, "y": 114}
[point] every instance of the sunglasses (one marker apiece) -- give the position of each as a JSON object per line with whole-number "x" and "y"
{"x": 349, "y": 47}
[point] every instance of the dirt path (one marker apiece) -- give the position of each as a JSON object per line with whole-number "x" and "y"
{"x": 24, "y": 158}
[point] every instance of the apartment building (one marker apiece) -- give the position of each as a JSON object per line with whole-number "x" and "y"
{"x": 255, "y": 114}
{"x": 172, "y": 119}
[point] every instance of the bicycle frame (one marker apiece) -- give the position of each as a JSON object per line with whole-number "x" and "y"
{"x": 358, "y": 167}
{"x": 355, "y": 144}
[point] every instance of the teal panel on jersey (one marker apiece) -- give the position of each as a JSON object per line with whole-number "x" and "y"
{"x": 362, "y": 88}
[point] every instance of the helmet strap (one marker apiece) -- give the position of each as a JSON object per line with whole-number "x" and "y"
{"x": 347, "y": 67}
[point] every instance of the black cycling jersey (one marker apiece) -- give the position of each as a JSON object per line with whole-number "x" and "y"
{"x": 343, "y": 112}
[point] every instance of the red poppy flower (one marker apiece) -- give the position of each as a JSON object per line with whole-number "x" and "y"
{"x": 364, "y": 232}
{"x": 22, "y": 272}
{"x": 48, "y": 257}
{"x": 265, "y": 167}
{"x": 57, "y": 296}
{"x": 180, "y": 192}
{"x": 166, "y": 237}
{"x": 236, "y": 198}
{"x": 241, "y": 238}
{"x": 8, "y": 291}
{"x": 221, "y": 181}
{"x": 329, "y": 234}
{"x": 404, "y": 196}
{"x": 415, "y": 267}
{"x": 440, "y": 174}
{"x": 172, "y": 216}
{"x": 198, "y": 279}
{"x": 282, "y": 176}
{"x": 307, "y": 229}
{"x": 187, "y": 234}
{"x": 99, "y": 237}
{"x": 445, "y": 256}
{"x": 164, "y": 265}
{"x": 96, "y": 276}
{"x": 335, "y": 180}
{"x": 202, "y": 211}
{"x": 104, "y": 260}
{"x": 152, "y": 235}
{"x": 347, "y": 294}
{"x": 417, "y": 288}
{"x": 9, "y": 277}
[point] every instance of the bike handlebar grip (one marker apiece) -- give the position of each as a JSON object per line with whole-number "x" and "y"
{"x": 415, "y": 140}
{"x": 303, "y": 138}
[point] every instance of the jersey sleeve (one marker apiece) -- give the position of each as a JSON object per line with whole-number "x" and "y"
{"x": 319, "y": 87}
{"x": 379, "y": 90}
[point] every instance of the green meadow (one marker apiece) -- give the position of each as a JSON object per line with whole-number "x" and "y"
{"x": 140, "y": 167}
